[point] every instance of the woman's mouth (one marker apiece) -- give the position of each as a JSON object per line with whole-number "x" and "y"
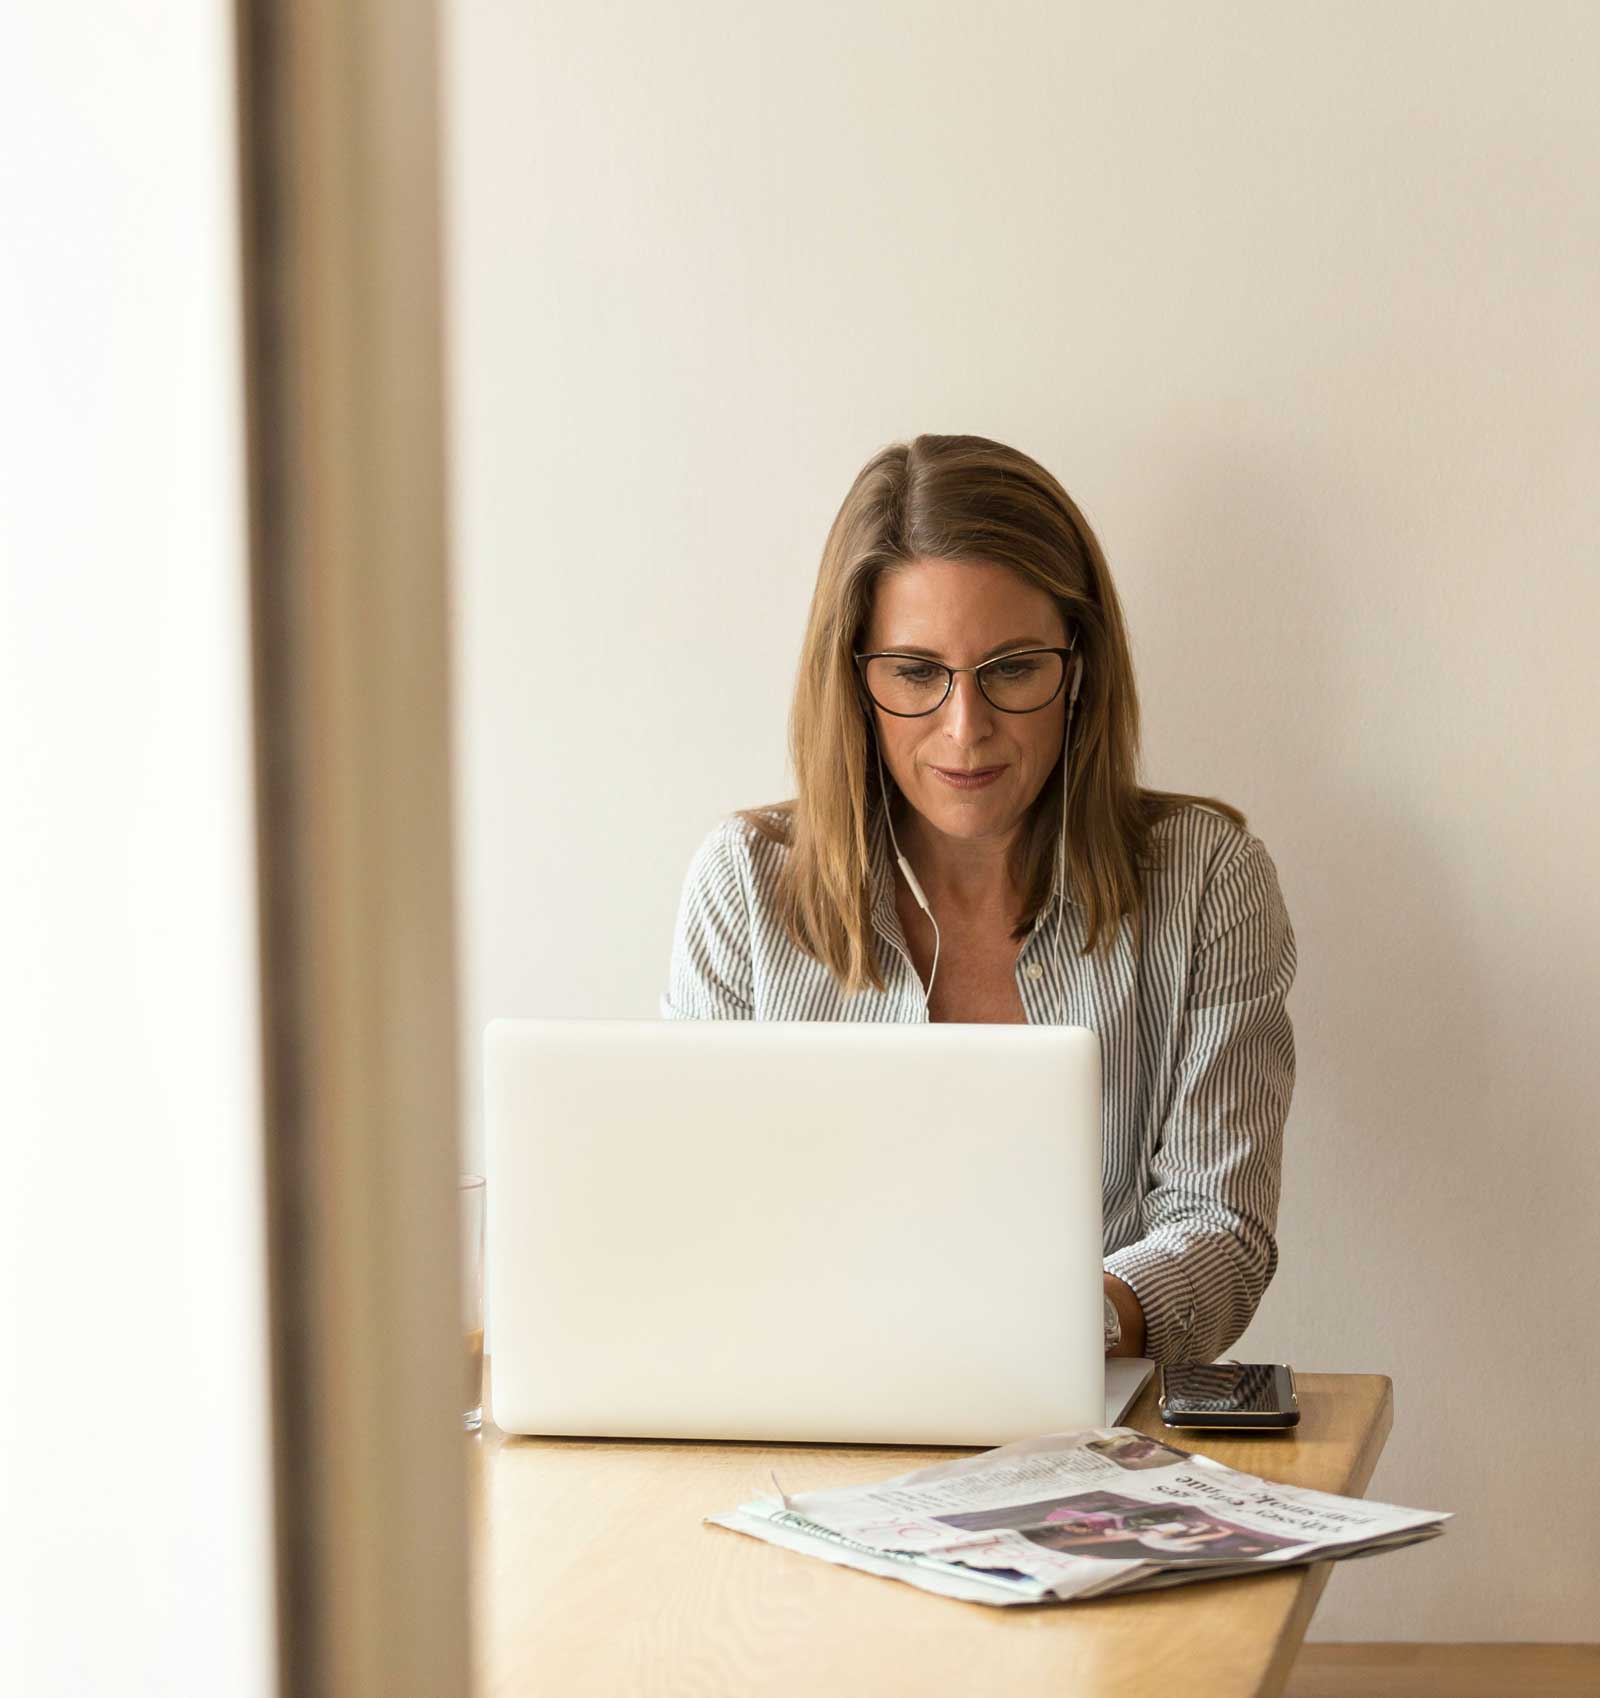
{"x": 968, "y": 778}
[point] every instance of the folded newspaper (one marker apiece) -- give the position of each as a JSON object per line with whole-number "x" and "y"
{"x": 1075, "y": 1515}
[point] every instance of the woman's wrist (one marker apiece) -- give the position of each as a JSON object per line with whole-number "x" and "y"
{"x": 1130, "y": 1313}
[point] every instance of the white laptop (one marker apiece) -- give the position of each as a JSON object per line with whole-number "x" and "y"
{"x": 796, "y": 1231}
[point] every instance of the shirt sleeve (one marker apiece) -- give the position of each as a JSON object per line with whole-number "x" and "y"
{"x": 1208, "y": 1252}
{"x": 711, "y": 975}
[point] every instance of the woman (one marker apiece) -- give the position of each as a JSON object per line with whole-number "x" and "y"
{"x": 966, "y": 705}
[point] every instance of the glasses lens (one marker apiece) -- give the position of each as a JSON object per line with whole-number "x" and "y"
{"x": 901, "y": 684}
{"x": 1019, "y": 683}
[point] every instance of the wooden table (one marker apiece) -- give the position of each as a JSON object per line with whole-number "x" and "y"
{"x": 595, "y": 1574}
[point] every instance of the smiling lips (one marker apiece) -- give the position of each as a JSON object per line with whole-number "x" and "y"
{"x": 974, "y": 778}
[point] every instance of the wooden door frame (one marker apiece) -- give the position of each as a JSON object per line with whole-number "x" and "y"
{"x": 340, "y": 243}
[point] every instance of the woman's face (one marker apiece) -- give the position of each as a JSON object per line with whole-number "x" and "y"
{"x": 963, "y": 613}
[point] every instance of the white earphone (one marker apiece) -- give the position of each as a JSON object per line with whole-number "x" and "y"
{"x": 1061, "y": 840}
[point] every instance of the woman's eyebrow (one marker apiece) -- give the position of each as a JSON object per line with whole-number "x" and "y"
{"x": 999, "y": 648}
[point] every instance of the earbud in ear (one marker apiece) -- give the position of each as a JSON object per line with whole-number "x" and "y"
{"x": 1077, "y": 678}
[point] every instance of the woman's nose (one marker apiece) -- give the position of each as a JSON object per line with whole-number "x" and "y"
{"x": 969, "y": 715}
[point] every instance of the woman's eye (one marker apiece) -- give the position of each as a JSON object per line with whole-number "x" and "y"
{"x": 1014, "y": 668}
{"x": 912, "y": 673}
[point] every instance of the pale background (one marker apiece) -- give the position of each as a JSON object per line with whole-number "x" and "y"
{"x": 135, "y": 1488}
{"x": 1299, "y": 303}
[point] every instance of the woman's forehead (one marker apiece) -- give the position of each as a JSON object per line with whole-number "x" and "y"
{"x": 934, "y": 604}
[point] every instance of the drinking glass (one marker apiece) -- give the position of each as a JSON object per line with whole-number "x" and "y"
{"x": 471, "y": 1189}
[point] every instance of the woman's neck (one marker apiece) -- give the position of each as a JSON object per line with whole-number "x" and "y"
{"x": 960, "y": 876}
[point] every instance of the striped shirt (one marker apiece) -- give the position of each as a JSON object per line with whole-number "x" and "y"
{"x": 1196, "y": 1044}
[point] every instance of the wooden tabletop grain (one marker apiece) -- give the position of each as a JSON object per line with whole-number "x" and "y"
{"x": 594, "y": 1573}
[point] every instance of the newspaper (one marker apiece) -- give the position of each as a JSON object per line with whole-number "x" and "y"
{"x": 1075, "y": 1515}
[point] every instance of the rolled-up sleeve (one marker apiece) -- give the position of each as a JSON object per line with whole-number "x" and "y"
{"x": 1208, "y": 1251}
{"x": 711, "y": 975}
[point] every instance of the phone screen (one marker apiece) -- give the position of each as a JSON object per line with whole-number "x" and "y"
{"x": 1225, "y": 1388}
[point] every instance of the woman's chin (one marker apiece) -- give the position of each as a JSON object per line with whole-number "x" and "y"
{"x": 971, "y": 817}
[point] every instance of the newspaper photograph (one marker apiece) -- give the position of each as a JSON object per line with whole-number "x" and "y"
{"x": 1075, "y": 1515}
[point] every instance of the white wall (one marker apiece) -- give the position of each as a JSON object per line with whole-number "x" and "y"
{"x": 1299, "y": 302}
{"x": 134, "y": 1438}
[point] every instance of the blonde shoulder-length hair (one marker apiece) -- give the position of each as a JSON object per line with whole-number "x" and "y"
{"x": 959, "y": 498}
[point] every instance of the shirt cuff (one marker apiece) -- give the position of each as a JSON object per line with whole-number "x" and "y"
{"x": 1166, "y": 1295}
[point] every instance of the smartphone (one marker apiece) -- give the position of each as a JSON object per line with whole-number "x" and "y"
{"x": 1228, "y": 1394}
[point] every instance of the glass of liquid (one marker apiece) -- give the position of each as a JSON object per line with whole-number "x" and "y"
{"x": 471, "y": 1189}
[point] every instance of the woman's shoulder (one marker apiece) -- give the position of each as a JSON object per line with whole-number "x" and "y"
{"x": 770, "y": 823}
{"x": 747, "y": 845}
{"x": 1198, "y": 836}
{"x": 1209, "y": 869}
{"x": 745, "y": 830}
{"x": 1195, "y": 852}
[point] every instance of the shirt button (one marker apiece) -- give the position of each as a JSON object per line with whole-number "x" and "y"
{"x": 1034, "y": 970}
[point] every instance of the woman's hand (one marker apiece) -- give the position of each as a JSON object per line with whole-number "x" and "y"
{"x": 1129, "y": 1313}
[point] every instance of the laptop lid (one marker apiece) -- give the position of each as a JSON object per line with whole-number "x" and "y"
{"x": 794, "y": 1230}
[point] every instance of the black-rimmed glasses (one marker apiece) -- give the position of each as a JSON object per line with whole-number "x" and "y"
{"x": 909, "y": 685}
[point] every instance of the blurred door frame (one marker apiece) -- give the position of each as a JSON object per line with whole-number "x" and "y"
{"x": 342, "y": 332}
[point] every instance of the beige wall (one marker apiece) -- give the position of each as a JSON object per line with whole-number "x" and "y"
{"x": 135, "y": 1489}
{"x": 1300, "y": 304}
